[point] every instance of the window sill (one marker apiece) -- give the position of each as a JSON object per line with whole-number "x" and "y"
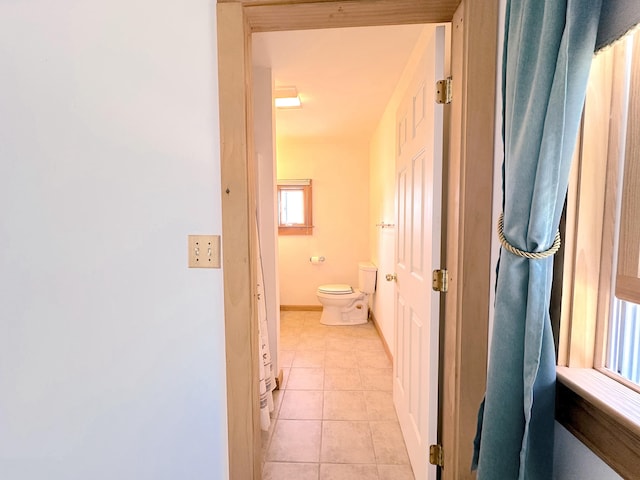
{"x": 303, "y": 230}
{"x": 603, "y": 414}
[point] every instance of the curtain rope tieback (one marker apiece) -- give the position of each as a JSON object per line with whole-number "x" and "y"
{"x": 521, "y": 253}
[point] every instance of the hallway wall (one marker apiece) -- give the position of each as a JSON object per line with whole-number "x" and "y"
{"x": 572, "y": 460}
{"x": 340, "y": 173}
{"x": 112, "y": 362}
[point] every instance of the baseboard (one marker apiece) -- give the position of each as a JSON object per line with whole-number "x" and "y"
{"x": 279, "y": 379}
{"x": 384, "y": 342}
{"x": 300, "y": 308}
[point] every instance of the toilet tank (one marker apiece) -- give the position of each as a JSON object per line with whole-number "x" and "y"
{"x": 367, "y": 277}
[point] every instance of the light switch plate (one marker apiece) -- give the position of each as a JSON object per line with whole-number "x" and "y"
{"x": 204, "y": 251}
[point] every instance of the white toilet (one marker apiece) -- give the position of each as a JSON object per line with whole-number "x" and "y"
{"x": 341, "y": 305}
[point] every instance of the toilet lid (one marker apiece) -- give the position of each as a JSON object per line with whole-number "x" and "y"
{"x": 336, "y": 289}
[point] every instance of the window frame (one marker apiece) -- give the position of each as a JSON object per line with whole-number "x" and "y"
{"x": 628, "y": 276}
{"x": 305, "y": 228}
{"x": 592, "y": 402}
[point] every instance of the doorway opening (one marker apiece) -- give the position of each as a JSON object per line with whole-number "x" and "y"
{"x": 351, "y": 82}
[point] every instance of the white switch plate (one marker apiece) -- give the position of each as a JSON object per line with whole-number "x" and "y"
{"x": 204, "y": 251}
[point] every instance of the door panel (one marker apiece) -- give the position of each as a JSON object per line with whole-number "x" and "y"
{"x": 402, "y": 217}
{"x": 417, "y": 224}
{"x": 419, "y": 194}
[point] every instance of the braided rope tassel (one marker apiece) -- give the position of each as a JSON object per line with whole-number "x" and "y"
{"x": 521, "y": 253}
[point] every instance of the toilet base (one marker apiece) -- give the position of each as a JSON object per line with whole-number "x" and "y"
{"x": 356, "y": 315}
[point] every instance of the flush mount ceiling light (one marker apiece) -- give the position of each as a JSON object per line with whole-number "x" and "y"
{"x": 287, "y": 97}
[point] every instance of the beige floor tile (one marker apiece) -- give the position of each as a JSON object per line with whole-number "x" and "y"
{"x": 295, "y": 441}
{"x": 341, "y": 332}
{"x": 314, "y": 327}
{"x": 312, "y": 316}
{"x": 309, "y": 342}
{"x": 334, "y": 358}
{"x": 305, "y": 379}
{"x": 369, "y": 344}
{"x": 309, "y": 358}
{"x": 395, "y": 472}
{"x": 285, "y": 377}
{"x": 368, "y": 359}
{"x": 344, "y": 405}
{"x": 302, "y": 405}
{"x": 380, "y": 405}
{"x": 289, "y": 342}
{"x": 340, "y": 344}
{"x": 376, "y": 379}
{"x": 388, "y": 443}
{"x": 291, "y": 328}
{"x": 294, "y": 317}
{"x": 381, "y": 352}
{"x": 346, "y": 442}
{"x": 290, "y": 471}
{"x": 315, "y": 333}
{"x": 285, "y": 358}
{"x": 336, "y": 378}
{"x": 333, "y": 471}
{"x": 366, "y": 330}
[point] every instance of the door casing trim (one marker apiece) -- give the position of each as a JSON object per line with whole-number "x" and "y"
{"x": 468, "y": 217}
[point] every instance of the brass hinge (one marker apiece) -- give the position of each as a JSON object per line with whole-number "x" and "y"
{"x": 443, "y": 91}
{"x": 440, "y": 281}
{"x": 436, "y": 455}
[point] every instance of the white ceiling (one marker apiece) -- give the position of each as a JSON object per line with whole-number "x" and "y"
{"x": 344, "y": 76}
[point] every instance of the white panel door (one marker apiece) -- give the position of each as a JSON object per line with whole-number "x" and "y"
{"x": 419, "y": 196}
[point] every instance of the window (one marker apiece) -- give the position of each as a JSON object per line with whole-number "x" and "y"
{"x": 601, "y": 300}
{"x": 294, "y": 207}
{"x": 623, "y": 357}
{"x": 623, "y": 332}
{"x": 599, "y": 391}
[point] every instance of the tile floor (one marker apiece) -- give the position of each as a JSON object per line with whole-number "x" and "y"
{"x": 334, "y": 417}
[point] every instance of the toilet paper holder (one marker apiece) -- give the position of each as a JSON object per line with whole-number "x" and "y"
{"x": 316, "y": 260}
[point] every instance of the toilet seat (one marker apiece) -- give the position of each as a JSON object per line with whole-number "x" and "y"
{"x": 336, "y": 289}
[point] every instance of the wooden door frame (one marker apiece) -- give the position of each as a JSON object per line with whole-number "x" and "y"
{"x": 468, "y": 217}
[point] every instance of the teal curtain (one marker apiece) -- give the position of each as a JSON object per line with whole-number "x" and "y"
{"x": 548, "y": 49}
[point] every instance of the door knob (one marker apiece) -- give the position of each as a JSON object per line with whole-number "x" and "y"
{"x": 391, "y": 277}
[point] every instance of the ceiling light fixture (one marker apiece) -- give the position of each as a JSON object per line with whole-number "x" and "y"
{"x": 287, "y": 97}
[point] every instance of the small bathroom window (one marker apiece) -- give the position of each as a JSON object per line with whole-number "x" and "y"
{"x": 294, "y": 207}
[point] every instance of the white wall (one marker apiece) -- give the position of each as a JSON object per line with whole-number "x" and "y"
{"x": 382, "y": 209}
{"x": 574, "y": 461}
{"x": 340, "y": 172}
{"x": 111, "y": 350}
